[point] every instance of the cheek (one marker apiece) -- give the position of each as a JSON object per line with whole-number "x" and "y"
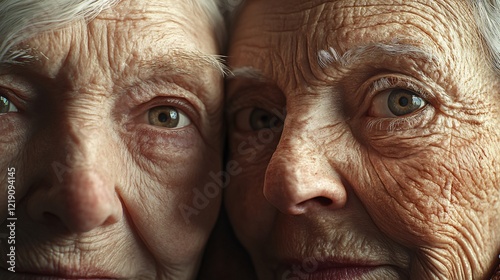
{"x": 179, "y": 192}
{"x": 430, "y": 197}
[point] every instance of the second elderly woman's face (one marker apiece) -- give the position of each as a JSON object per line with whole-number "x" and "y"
{"x": 113, "y": 136}
{"x": 367, "y": 137}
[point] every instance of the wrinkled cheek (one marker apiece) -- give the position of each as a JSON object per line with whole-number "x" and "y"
{"x": 409, "y": 225}
{"x": 410, "y": 209}
{"x": 177, "y": 198}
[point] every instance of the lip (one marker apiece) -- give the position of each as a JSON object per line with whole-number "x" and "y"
{"x": 317, "y": 269}
{"x": 341, "y": 273}
{"x": 51, "y": 275}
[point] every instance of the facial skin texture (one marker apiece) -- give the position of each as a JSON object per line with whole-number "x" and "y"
{"x": 342, "y": 182}
{"x": 99, "y": 184}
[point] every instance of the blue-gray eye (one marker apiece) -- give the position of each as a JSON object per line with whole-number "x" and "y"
{"x": 168, "y": 117}
{"x": 396, "y": 103}
{"x": 6, "y": 106}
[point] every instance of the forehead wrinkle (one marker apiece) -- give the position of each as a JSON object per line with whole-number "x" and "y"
{"x": 147, "y": 10}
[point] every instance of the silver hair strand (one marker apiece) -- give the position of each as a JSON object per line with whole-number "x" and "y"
{"x": 21, "y": 20}
{"x": 487, "y": 14}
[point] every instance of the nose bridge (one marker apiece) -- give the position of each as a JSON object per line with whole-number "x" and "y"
{"x": 297, "y": 157}
{"x": 81, "y": 142}
{"x": 300, "y": 177}
{"x": 80, "y": 189}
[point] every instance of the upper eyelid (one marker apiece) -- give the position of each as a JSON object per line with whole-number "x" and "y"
{"x": 147, "y": 91}
{"x": 247, "y": 100}
{"x": 392, "y": 82}
{"x": 16, "y": 100}
{"x": 18, "y": 88}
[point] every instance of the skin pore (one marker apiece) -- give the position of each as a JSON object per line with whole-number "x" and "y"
{"x": 367, "y": 135}
{"x": 114, "y": 124}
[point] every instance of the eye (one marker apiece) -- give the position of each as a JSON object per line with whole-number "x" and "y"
{"x": 395, "y": 103}
{"x": 168, "y": 117}
{"x": 6, "y": 106}
{"x": 257, "y": 119}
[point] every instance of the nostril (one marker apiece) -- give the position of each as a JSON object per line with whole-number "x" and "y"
{"x": 323, "y": 201}
{"x": 52, "y": 220}
{"x": 320, "y": 200}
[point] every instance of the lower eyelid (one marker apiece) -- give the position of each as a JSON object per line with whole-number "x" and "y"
{"x": 383, "y": 125}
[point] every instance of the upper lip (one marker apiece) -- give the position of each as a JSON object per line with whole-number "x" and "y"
{"x": 28, "y": 266}
{"x": 327, "y": 268}
{"x": 331, "y": 262}
{"x": 346, "y": 246}
{"x": 315, "y": 264}
{"x": 67, "y": 273}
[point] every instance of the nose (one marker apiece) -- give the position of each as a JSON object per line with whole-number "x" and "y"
{"x": 78, "y": 191}
{"x": 300, "y": 178}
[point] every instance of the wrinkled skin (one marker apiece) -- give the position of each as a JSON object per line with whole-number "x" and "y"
{"x": 330, "y": 174}
{"x": 98, "y": 182}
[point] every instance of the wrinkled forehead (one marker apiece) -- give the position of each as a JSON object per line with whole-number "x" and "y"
{"x": 143, "y": 12}
{"x": 343, "y": 24}
{"x": 133, "y": 34}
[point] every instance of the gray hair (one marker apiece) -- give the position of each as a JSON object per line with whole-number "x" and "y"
{"x": 487, "y": 14}
{"x": 21, "y": 20}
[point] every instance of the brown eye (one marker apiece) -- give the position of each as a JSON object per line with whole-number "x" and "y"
{"x": 168, "y": 117}
{"x": 260, "y": 119}
{"x": 396, "y": 103}
{"x": 256, "y": 119}
{"x": 6, "y": 106}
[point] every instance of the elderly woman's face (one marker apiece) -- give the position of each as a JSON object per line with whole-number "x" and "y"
{"x": 367, "y": 133}
{"x": 114, "y": 133}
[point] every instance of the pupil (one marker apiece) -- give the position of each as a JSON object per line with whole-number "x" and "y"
{"x": 403, "y": 101}
{"x": 264, "y": 120}
{"x": 163, "y": 117}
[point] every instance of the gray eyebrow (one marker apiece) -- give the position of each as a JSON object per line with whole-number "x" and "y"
{"x": 176, "y": 59}
{"x": 332, "y": 57}
{"x": 247, "y": 72}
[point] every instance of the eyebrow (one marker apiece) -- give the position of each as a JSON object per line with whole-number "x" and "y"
{"x": 332, "y": 57}
{"x": 178, "y": 61}
{"x": 20, "y": 57}
{"x": 189, "y": 62}
{"x": 246, "y": 72}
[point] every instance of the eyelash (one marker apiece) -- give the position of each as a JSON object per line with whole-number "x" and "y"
{"x": 392, "y": 124}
